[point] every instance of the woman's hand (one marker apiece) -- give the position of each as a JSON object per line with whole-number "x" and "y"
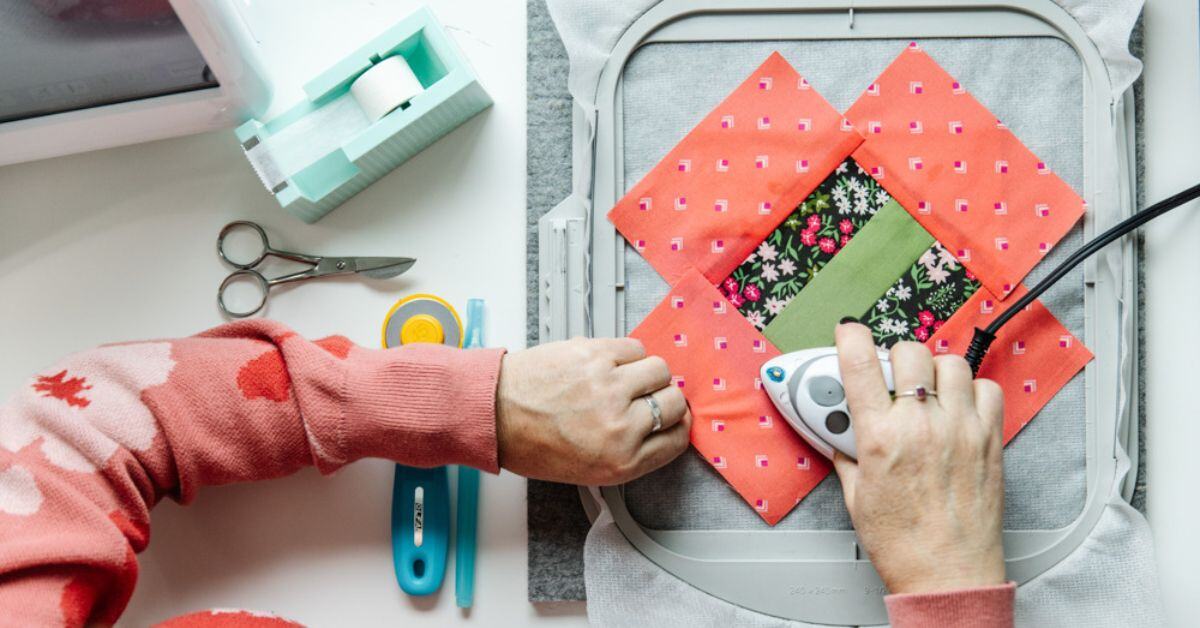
{"x": 575, "y": 412}
{"x": 927, "y": 492}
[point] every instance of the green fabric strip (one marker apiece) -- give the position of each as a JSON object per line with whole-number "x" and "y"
{"x": 851, "y": 283}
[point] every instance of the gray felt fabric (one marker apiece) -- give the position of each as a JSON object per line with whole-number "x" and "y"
{"x": 1138, "y": 500}
{"x": 556, "y": 521}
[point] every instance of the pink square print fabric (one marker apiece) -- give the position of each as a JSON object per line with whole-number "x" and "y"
{"x": 737, "y": 175}
{"x": 960, "y": 172}
{"x": 715, "y": 354}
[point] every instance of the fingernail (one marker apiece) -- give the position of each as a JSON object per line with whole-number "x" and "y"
{"x": 847, "y": 319}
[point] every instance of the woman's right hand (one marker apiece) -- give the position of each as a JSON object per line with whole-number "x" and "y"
{"x": 927, "y": 492}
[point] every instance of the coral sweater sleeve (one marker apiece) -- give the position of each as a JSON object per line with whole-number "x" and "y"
{"x": 978, "y": 607}
{"x": 90, "y": 445}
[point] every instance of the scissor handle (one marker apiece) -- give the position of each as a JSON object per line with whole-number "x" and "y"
{"x": 234, "y": 226}
{"x": 263, "y": 286}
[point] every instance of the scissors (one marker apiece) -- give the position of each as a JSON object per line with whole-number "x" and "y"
{"x": 374, "y": 267}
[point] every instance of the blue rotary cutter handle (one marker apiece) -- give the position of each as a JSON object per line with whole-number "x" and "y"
{"x": 421, "y": 497}
{"x": 420, "y": 528}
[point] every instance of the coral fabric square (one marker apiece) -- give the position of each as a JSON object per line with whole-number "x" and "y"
{"x": 1033, "y": 356}
{"x": 735, "y": 176}
{"x": 715, "y": 354}
{"x": 960, "y": 172}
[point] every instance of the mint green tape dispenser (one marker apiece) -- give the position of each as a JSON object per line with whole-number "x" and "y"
{"x": 364, "y": 116}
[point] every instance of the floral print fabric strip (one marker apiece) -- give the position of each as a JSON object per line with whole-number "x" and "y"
{"x": 922, "y": 299}
{"x": 815, "y": 231}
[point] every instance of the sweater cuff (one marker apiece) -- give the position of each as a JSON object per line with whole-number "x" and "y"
{"x": 979, "y": 607}
{"x": 423, "y": 406}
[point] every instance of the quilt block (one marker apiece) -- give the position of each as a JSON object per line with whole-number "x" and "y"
{"x": 761, "y": 223}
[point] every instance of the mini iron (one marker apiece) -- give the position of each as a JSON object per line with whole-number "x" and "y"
{"x": 806, "y": 387}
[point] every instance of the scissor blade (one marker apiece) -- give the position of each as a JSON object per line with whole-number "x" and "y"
{"x": 383, "y": 267}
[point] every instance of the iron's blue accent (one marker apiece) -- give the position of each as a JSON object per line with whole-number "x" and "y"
{"x": 775, "y": 374}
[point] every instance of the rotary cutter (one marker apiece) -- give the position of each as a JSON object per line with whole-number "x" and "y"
{"x": 422, "y": 318}
{"x": 421, "y": 497}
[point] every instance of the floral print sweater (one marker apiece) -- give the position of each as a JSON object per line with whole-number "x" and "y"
{"x": 91, "y": 444}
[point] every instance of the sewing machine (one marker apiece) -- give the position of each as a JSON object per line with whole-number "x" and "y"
{"x": 362, "y": 111}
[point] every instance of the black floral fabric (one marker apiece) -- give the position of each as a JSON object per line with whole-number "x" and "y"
{"x": 922, "y": 299}
{"x": 815, "y": 231}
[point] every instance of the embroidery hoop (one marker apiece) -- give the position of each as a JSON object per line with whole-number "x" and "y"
{"x": 766, "y": 571}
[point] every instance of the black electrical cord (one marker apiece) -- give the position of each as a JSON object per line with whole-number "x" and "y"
{"x": 983, "y": 338}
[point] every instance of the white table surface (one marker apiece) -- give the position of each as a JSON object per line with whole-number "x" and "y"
{"x": 1172, "y": 133}
{"x": 118, "y": 245}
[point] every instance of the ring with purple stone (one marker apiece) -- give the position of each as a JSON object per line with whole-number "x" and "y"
{"x": 920, "y": 393}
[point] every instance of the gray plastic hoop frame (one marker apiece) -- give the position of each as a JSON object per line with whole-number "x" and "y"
{"x": 823, "y": 576}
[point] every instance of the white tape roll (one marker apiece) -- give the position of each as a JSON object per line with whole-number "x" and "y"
{"x": 379, "y": 91}
{"x": 385, "y": 87}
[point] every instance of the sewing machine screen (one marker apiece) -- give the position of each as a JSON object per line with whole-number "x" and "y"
{"x": 57, "y": 57}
